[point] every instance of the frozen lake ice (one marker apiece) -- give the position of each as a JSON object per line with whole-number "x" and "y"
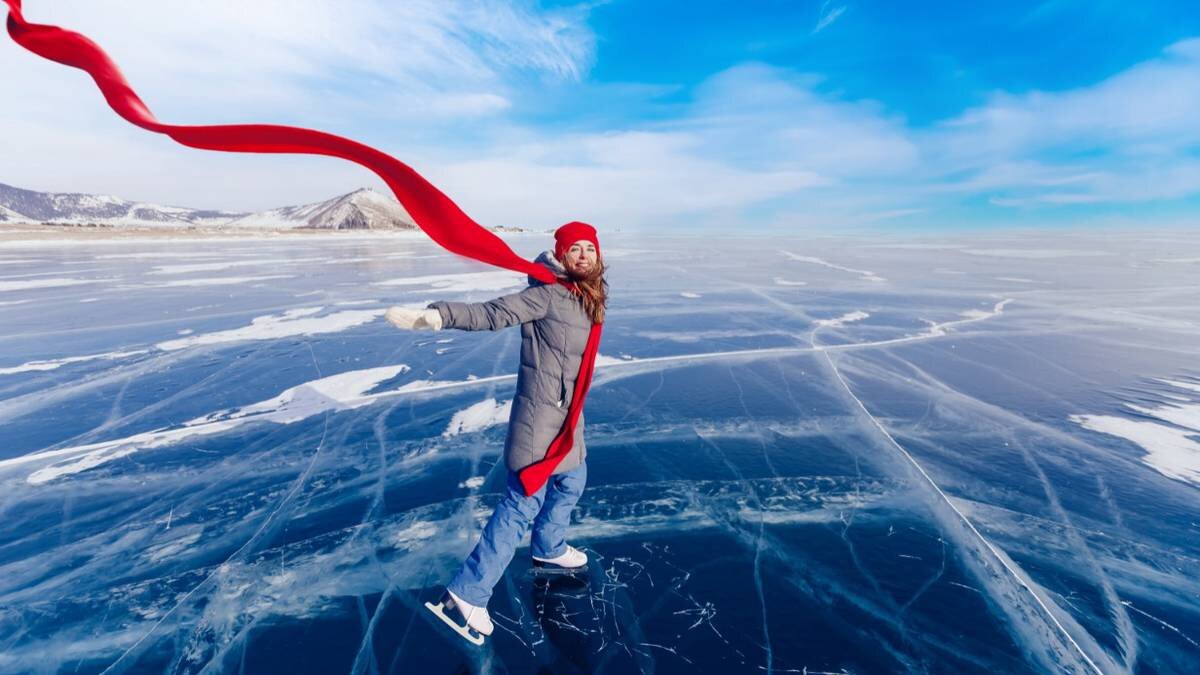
{"x": 897, "y": 454}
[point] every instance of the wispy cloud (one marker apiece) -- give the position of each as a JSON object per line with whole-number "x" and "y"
{"x": 622, "y": 179}
{"x": 271, "y": 53}
{"x": 1130, "y": 137}
{"x": 828, "y": 15}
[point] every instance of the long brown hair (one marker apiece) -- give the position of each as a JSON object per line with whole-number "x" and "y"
{"x": 593, "y": 291}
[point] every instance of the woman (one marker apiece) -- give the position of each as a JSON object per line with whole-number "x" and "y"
{"x": 555, "y": 320}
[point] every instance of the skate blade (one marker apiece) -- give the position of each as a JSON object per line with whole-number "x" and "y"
{"x": 468, "y": 633}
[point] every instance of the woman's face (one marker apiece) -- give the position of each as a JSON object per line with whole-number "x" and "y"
{"x": 580, "y": 259}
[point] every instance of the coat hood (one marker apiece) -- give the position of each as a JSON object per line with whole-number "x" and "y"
{"x": 546, "y": 259}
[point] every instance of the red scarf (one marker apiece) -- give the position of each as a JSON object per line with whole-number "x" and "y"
{"x": 433, "y": 212}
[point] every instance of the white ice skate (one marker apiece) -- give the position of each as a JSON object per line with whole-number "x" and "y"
{"x": 572, "y": 561}
{"x": 475, "y": 622}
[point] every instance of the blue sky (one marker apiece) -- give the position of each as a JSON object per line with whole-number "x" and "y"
{"x": 767, "y": 116}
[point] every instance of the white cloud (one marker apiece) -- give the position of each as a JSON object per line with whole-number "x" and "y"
{"x": 758, "y": 113}
{"x": 1127, "y": 138}
{"x": 1141, "y": 109}
{"x": 620, "y": 179}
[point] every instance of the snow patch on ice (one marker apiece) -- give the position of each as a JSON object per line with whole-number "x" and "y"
{"x": 690, "y": 295}
{"x": 1172, "y": 439}
{"x": 604, "y": 360}
{"x": 780, "y": 281}
{"x": 172, "y": 548}
{"x": 1181, "y": 385}
{"x": 1172, "y": 452}
{"x": 32, "y": 284}
{"x": 273, "y": 326}
{"x": 482, "y": 415}
{"x": 219, "y": 281}
{"x": 414, "y": 535}
{"x": 842, "y": 320}
{"x": 53, "y": 364}
{"x": 343, "y": 391}
{"x": 473, "y": 483}
{"x": 1186, "y": 416}
{"x": 92, "y": 455}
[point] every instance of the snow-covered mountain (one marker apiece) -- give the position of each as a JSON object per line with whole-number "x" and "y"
{"x": 73, "y": 208}
{"x": 8, "y": 215}
{"x": 363, "y": 209}
{"x": 358, "y": 210}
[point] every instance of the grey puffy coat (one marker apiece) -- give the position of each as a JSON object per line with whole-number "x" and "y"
{"x": 554, "y": 333}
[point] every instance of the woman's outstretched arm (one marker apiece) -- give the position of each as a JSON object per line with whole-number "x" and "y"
{"x": 530, "y": 304}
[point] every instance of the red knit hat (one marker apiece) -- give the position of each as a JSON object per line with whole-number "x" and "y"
{"x": 572, "y": 232}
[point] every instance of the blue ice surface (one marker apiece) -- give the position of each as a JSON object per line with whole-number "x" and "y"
{"x": 881, "y": 470}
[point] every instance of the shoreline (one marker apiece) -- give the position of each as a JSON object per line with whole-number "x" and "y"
{"x": 36, "y": 233}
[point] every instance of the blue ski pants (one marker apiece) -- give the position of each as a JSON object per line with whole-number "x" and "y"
{"x": 548, "y": 511}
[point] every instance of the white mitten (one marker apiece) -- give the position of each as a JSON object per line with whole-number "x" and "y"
{"x": 414, "y": 319}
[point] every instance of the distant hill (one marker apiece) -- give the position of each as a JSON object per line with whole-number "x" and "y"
{"x": 363, "y": 209}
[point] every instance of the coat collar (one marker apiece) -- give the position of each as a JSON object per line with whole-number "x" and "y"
{"x": 546, "y": 259}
